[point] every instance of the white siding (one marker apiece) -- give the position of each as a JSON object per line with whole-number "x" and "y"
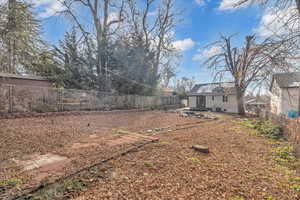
{"x": 192, "y": 102}
{"x": 275, "y": 96}
{"x": 289, "y": 100}
{"x": 283, "y": 100}
{"x": 229, "y": 106}
{"x": 184, "y": 102}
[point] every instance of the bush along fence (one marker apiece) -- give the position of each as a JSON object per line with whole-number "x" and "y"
{"x": 20, "y": 99}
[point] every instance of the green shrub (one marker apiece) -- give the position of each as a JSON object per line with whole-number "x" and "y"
{"x": 264, "y": 128}
{"x": 59, "y": 190}
{"x": 11, "y": 182}
{"x": 148, "y": 164}
{"x": 268, "y": 198}
{"x": 194, "y": 159}
{"x": 284, "y": 155}
{"x": 270, "y": 130}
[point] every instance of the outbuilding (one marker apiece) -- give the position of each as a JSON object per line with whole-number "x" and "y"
{"x": 24, "y": 80}
{"x": 220, "y": 97}
{"x": 284, "y": 93}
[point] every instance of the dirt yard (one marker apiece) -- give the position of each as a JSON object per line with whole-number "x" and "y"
{"x": 37, "y": 150}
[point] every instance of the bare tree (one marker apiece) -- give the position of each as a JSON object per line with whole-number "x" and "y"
{"x": 100, "y": 11}
{"x": 278, "y": 3}
{"x": 292, "y": 21}
{"x": 168, "y": 71}
{"x": 184, "y": 85}
{"x": 250, "y": 64}
{"x": 130, "y": 22}
{"x": 154, "y": 28}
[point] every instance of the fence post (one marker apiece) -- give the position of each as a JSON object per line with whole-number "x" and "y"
{"x": 10, "y": 98}
{"x": 59, "y": 99}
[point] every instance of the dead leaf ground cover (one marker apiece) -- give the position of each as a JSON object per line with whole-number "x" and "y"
{"x": 84, "y": 140}
{"x": 237, "y": 168}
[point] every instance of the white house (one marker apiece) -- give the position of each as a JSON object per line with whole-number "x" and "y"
{"x": 214, "y": 96}
{"x": 284, "y": 93}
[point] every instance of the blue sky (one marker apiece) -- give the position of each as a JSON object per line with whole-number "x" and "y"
{"x": 203, "y": 22}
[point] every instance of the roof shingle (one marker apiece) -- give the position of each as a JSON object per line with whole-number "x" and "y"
{"x": 286, "y": 80}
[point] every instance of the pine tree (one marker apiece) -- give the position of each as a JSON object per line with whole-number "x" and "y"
{"x": 20, "y": 37}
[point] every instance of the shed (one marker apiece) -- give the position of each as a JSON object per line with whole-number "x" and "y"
{"x": 284, "y": 93}
{"x": 214, "y": 96}
{"x": 24, "y": 80}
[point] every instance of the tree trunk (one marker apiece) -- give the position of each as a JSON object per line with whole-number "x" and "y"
{"x": 240, "y": 101}
{"x": 298, "y": 8}
{"x": 11, "y": 33}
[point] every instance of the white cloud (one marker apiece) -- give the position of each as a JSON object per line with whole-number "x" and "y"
{"x": 200, "y": 2}
{"x": 274, "y": 22}
{"x": 184, "y": 45}
{"x": 47, "y": 8}
{"x": 231, "y": 5}
{"x": 113, "y": 16}
{"x": 206, "y": 53}
{"x": 153, "y": 13}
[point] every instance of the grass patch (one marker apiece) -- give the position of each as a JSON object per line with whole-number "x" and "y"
{"x": 59, "y": 190}
{"x": 268, "y": 198}
{"x": 164, "y": 143}
{"x": 263, "y": 128}
{"x": 194, "y": 159}
{"x": 148, "y": 164}
{"x": 295, "y": 183}
{"x": 282, "y": 154}
{"x": 11, "y": 182}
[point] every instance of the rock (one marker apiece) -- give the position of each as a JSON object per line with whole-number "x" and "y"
{"x": 183, "y": 115}
{"x": 200, "y": 148}
{"x": 149, "y": 131}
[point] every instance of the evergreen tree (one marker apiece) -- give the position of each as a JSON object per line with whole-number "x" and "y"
{"x": 20, "y": 41}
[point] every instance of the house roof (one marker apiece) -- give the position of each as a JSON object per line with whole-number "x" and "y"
{"x": 286, "y": 80}
{"x": 16, "y": 76}
{"x": 213, "y": 89}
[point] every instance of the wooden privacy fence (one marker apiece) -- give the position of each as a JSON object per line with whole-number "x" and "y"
{"x": 16, "y": 98}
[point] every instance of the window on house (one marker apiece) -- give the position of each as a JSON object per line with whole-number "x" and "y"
{"x": 225, "y": 98}
{"x": 212, "y": 98}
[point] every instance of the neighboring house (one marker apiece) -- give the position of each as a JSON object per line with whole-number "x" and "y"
{"x": 219, "y": 97}
{"x": 284, "y": 93}
{"x": 14, "y": 79}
